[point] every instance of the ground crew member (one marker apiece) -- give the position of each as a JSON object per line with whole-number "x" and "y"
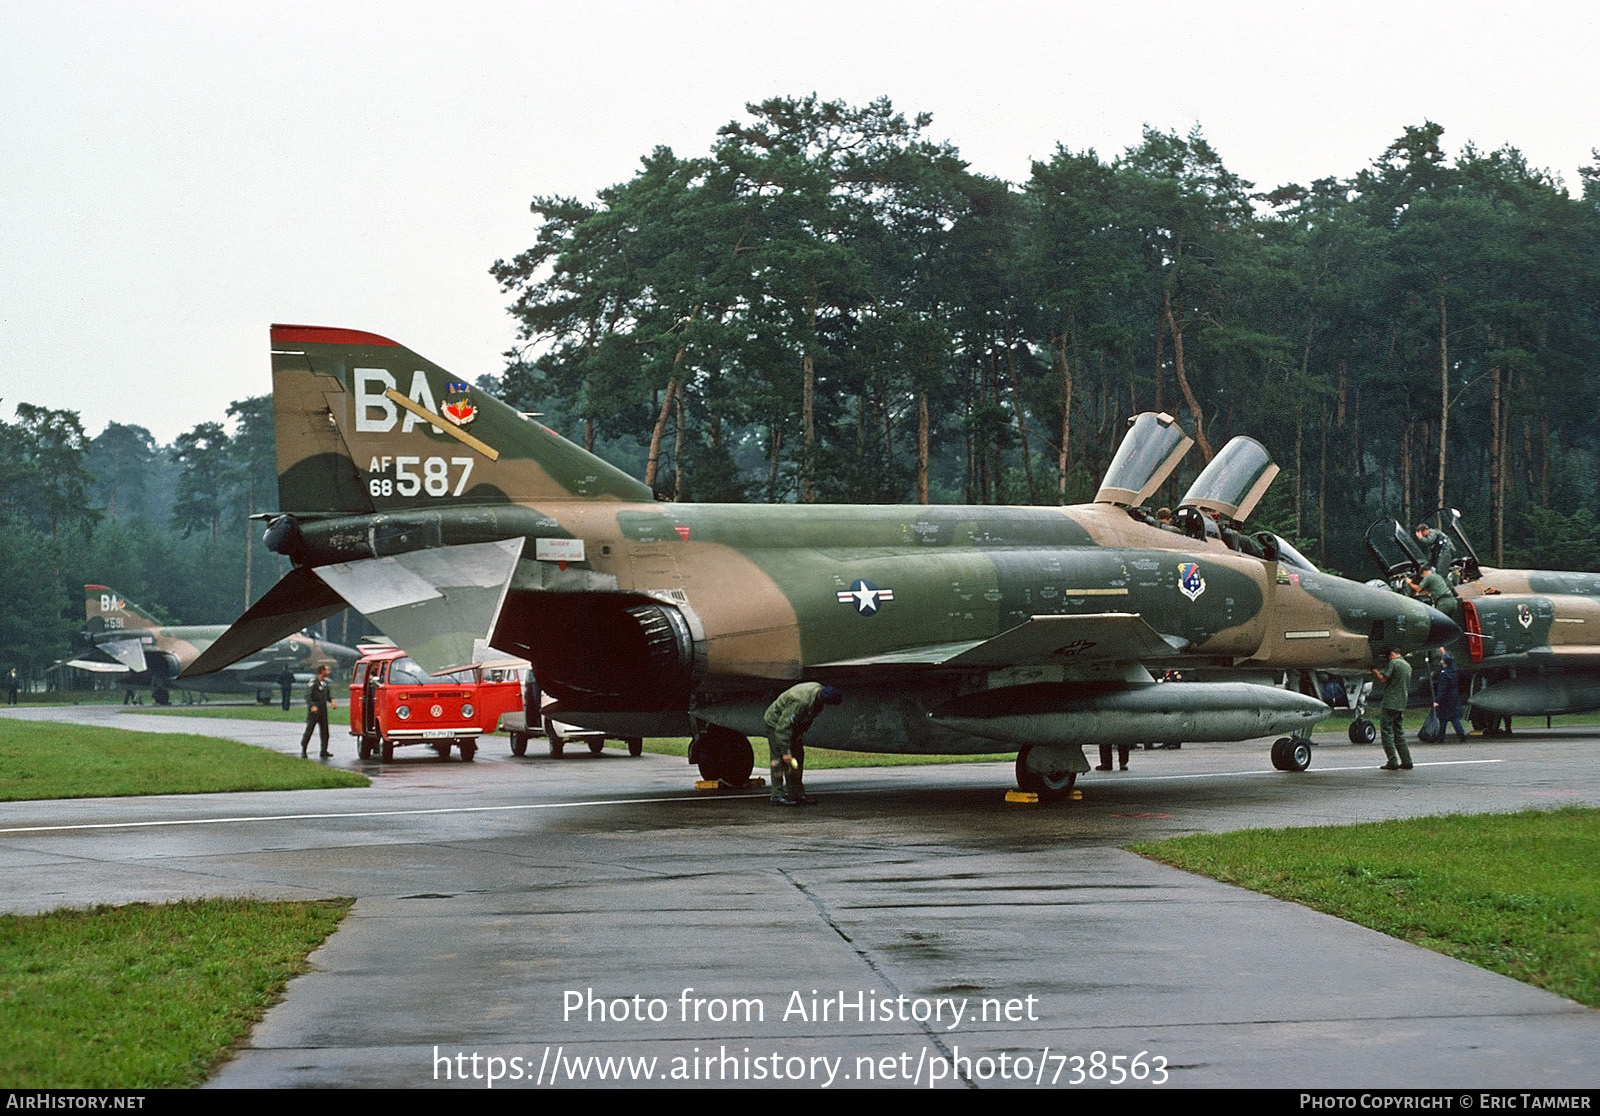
{"x": 1396, "y": 679}
{"x": 286, "y": 684}
{"x": 319, "y": 699}
{"x": 1438, "y": 592}
{"x": 787, "y": 720}
{"x": 1437, "y": 546}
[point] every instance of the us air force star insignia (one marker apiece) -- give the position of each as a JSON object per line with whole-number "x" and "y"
{"x": 1190, "y": 583}
{"x": 1524, "y": 616}
{"x": 865, "y": 596}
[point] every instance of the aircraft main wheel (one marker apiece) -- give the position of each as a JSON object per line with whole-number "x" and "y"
{"x": 1363, "y": 731}
{"x": 161, "y": 695}
{"x": 1050, "y": 786}
{"x": 726, "y": 756}
{"x": 1290, "y": 754}
{"x": 469, "y": 748}
{"x": 1482, "y": 719}
{"x": 386, "y": 750}
{"x": 636, "y": 748}
{"x": 519, "y": 744}
{"x": 597, "y": 746}
{"x": 558, "y": 743}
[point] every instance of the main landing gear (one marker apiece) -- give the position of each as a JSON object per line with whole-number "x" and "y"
{"x": 1052, "y": 784}
{"x": 1291, "y": 753}
{"x": 722, "y": 755}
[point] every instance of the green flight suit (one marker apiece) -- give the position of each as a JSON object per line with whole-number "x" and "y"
{"x": 787, "y": 720}
{"x": 1440, "y": 595}
{"x": 1396, "y": 691}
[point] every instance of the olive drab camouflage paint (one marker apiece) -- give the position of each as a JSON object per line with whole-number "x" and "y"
{"x": 456, "y": 524}
{"x": 124, "y": 640}
{"x": 1530, "y": 644}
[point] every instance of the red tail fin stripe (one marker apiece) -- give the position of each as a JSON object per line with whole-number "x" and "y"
{"x": 326, "y": 335}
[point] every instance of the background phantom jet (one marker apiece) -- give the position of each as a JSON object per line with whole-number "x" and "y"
{"x": 125, "y": 641}
{"x": 1530, "y": 642}
{"x": 951, "y": 630}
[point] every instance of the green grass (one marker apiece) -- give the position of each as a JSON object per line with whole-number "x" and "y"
{"x": 820, "y": 759}
{"x": 41, "y": 759}
{"x": 1515, "y": 893}
{"x": 144, "y": 997}
{"x": 295, "y": 714}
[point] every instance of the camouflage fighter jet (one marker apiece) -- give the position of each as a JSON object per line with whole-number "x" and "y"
{"x": 126, "y": 641}
{"x": 454, "y": 523}
{"x": 1530, "y": 644}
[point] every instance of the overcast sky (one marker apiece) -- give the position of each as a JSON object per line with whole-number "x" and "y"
{"x": 175, "y": 177}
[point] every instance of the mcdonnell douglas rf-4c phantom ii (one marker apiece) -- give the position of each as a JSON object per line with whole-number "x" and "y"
{"x": 455, "y": 523}
{"x": 1530, "y": 644}
{"x": 125, "y": 641}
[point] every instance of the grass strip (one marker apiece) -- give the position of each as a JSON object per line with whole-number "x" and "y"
{"x": 43, "y": 759}
{"x": 145, "y": 997}
{"x": 1515, "y": 893}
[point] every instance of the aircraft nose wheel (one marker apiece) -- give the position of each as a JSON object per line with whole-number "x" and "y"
{"x": 1290, "y": 754}
{"x": 1363, "y": 731}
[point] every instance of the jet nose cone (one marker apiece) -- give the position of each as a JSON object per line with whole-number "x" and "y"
{"x": 1441, "y": 629}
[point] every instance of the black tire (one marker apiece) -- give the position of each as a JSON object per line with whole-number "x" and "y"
{"x": 558, "y": 743}
{"x": 161, "y": 695}
{"x": 636, "y": 747}
{"x": 597, "y": 746}
{"x": 365, "y": 747}
{"x": 519, "y": 744}
{"x": 441, "y": 748}
{"x": 1482, "y": 720}
{"x": 1362, "y": 731}
{"x": 1290, "y": 754}
{"x": 386, "y": 750}
{"x": 725, "y": 756}
{"x": 469, "y": 749}
{"x": 1050, "y": 786}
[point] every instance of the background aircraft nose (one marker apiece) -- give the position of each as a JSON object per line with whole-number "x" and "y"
{"x": 1441, "y": 629}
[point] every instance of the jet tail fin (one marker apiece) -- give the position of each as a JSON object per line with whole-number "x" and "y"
{"x": 365, "y": 425}
{"x": 105, "y": 610}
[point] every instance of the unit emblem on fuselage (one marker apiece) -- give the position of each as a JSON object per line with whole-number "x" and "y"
{"x": 1190, "y": 583}
{"x": 1524, "y": 616}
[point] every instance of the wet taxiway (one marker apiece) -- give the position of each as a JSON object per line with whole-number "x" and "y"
{"x": 498, "y": 902}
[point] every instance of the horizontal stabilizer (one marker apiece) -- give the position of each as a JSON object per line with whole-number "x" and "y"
{"x": 98, "y": 666}
{"x": 440, "y": 604}
{"x": 299, "y": 600}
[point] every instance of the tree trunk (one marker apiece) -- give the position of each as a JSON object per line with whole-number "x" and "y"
{"x": 1444, "y": 392}
{"x": 1322, "y": 493}
{"x": 922, "y": 447}
{"x": 653, "y": 464}
{"x": 677, "y": 455}
{"x": 1183, "y": 381}
{"x": 250, "y": 509}
{"x": 775, "y": 446}
{"x": 1495, "y": 439}
{"x": 1063, "y": 454}
{"x": 1405, "y": 474}
{"x": 808, "y": 430}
